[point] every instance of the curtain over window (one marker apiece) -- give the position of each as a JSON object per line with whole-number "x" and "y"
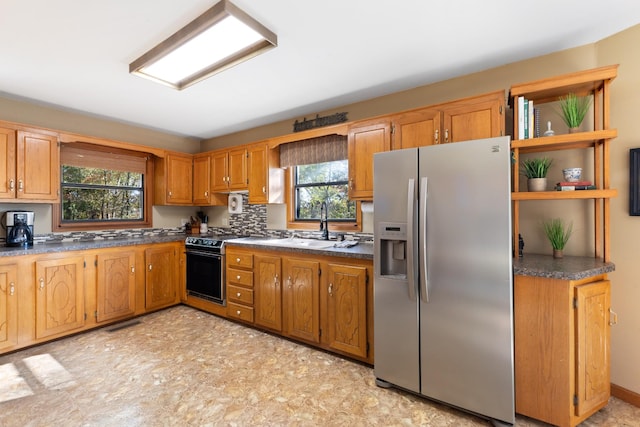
{"x": 315, "y": 150}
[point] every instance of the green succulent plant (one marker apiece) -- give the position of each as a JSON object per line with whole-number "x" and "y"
{"x": 574, "y": 109}
{"x": 536, "y": 167}
{"x": 557, "y": 233}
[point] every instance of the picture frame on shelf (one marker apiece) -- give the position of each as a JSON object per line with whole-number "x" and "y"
{"x": 634, "y": 182}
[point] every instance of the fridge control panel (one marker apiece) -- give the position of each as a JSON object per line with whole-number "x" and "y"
{"x": 393, "y": 230}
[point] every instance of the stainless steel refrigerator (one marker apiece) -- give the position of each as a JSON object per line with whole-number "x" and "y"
{"x": 443, "y": 301}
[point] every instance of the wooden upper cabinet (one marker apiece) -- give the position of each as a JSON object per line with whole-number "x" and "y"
{"x": 229, "y": 168}
{"x": 173, "y": 179}
{"x": 30, "y": 166}
{"x": 364, "y": 140}
{"x": 416, "y": 128}
{"x": 473, "y": 118}
{"x": 203, "y": 182}
{"x": 266, "y": 178}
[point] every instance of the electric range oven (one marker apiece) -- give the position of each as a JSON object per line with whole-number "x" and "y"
{"x": 206, "y": 268}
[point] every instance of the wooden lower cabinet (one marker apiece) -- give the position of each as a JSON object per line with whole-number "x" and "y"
{"x": 347, "y": 309}
{"x": 562, "y": 363}
{"x": 161, "y": 276}
{"x": 59, "y": 295}
{"x": 116, "y": 285}
{"x": 8, "y": 305}
{"x": 268, "y": 292}
{"x": 325, "y": 301}
{"x": 302, "y": 299}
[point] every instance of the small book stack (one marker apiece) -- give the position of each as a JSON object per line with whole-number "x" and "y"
{"x": 575, "y": 185}
{"x": 528, "y": 119}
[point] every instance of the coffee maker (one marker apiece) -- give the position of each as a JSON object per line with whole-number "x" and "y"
{"x": 19, "y": 226}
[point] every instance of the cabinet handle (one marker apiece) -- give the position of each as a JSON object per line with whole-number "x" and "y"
{"x": 446, "y": 135}
{"x": 133, "y": 269}
{"x": 613, "y": 318}
{"x": 238, "y": 277}
{"x": 206, "y": 194}
{"x": 289, "y": 281}
{"x": 238, "y": 260}
{"x": 275, "y": 281}
{"x": 238, "y": 295}
{"x": 12, "y": 184}
{"x": 41, "y": 283}
{"x": 150, "y": 267}
{"x": 351, "y": 184}
{"x": 264, "y": 190}
{"x": 20, "y": 185}
{"x": 436, "y": 136}
{"x": 238, "y": 312}
{"x": 331, "y": 289}
{"x": 12, "y": 288}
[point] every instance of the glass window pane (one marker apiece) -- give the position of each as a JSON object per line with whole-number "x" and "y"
{"x": 95, "y": 204}
{"x": 339, "y": 207}
{"x": 323, "y": 172}
{"x": 94, "y": 176}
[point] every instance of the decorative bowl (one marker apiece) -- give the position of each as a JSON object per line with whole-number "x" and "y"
{"x": 572, "y": 174}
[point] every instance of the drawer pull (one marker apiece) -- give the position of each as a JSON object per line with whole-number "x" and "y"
{"x": 238, "y": 294}
{"x": 238, "y": 312}
{"x": 237, "y": 260}
{"x": 238, "y": 277}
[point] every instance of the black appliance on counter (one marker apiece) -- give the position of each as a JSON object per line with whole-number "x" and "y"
{"x": 206, "y": 268}
{"x": 19, "y": 226}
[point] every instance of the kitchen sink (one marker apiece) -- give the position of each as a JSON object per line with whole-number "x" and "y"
{"x": 299, "y": 243}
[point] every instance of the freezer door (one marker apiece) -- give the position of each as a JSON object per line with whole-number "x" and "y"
{"x": 466, "y": 324}
{"x": 396, "y": 344}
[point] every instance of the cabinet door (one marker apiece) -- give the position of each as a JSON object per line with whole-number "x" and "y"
{"x": 258, "y": 174}
{"x": 364, "y": 141}
{"x": 160, "y": 276}
{"x": 179, "y": 179}
{"x": 238, "y": 169}
{"x": 7, "y": 163}
{"x": 8, "y": 306}
{"x": 219, "y": 173}
{"x": 463, "y": 120}
{"x": 59, "y": 295}
{"x": 37, "y": 166}
{"x": 347, "y": 309}
{"x": 416, "y": 129}
{"x": 116, "y": 287}
{"x": 592, "y": 346}
{"x": 201, "y": 179}
{"x": 268, "y": 292}
{"x": 301, "y": 299}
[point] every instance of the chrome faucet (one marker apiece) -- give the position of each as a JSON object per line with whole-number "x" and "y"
{"x": 324, "y": 221}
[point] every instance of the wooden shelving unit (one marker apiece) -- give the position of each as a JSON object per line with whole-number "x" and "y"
{"x": 593, "y": 82}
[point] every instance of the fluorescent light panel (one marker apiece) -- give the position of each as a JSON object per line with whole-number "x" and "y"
{"x": 218, "y": 39}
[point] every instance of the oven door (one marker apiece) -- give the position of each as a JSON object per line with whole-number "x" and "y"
{"x": 205, "y": 276}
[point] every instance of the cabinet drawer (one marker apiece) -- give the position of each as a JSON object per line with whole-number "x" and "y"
{"x": 235, "y": 259}
{"x": 240, "y": 312}
{"x": 241, "y": 295}
{"x": 241, "y": 277}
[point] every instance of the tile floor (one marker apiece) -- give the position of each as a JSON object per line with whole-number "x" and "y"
{"x": 183, "y": 367}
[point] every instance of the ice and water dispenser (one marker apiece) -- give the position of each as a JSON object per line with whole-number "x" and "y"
{"x": 393, "y": 250}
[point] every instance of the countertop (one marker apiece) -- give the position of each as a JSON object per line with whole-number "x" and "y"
{"x": 363, "y": 250}
{"x": 567, "y": 268}
{"x": 47, "y": 248}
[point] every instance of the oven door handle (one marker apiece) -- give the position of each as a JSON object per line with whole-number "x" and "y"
{"x": 203, "y": 253}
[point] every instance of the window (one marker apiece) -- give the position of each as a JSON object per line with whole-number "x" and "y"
{"x": 101, "y": 188}
{"x": 322, "y": 182}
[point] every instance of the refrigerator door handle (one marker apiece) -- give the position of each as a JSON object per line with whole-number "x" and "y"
{"x": 411, "y": 277}
{"x": 424, "y": 269}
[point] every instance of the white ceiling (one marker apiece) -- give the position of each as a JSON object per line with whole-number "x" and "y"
{"x": 75, "y": 54}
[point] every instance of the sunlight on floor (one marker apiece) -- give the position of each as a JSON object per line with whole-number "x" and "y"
{"x": 12, "y": 385}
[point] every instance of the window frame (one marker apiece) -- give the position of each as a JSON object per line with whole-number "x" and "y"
{"x": 147, "y": 187}
{"x": 295, "y": 224}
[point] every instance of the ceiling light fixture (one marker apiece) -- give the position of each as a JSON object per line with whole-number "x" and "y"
{"x": 220, "y": 38}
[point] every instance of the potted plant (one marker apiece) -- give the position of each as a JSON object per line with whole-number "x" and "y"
{"x": 574, "y": 109}
{"x": 557, "y": 234}
{"x": 536, "y": 169}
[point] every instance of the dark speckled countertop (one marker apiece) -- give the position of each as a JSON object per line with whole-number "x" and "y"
{"x": 363, "y": 250}
{"x": 567, "y": 268}
{"x": 47, "y": 248}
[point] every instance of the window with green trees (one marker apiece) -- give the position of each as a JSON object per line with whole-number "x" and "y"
{"x": 323, "y": 182}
